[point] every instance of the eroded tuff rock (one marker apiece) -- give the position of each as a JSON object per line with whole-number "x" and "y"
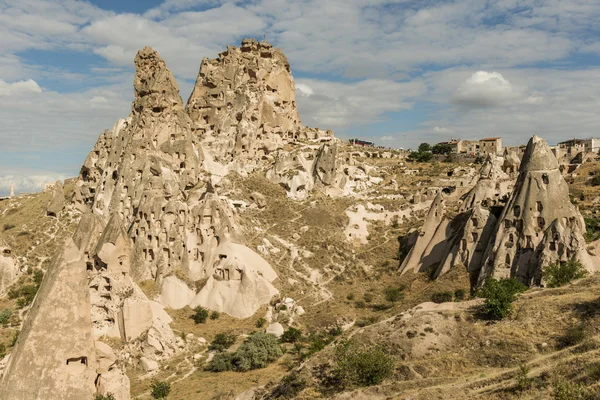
{"x": 9, "y": 269}
{"x": 45, "y": 364}
{"x": 57, "y": 203}
{"x": 501, "y": 231}
{"x": 243, "y": 105}
{"x": 146, "y": 179}
{"x": 539, "y": 224}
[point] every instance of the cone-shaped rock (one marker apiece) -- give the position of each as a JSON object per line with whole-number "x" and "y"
{"x": 539, "y": 205}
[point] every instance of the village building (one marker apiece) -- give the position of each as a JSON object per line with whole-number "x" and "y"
{"x": 481, "y": 147}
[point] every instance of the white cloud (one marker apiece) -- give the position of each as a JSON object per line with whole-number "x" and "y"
{"x": 439, "y": 129}
{"x": 334, "y": 104}
{"x": 387, "y": 138}
{"x": 485, "y": 89}
{"x": 19, "y": 88}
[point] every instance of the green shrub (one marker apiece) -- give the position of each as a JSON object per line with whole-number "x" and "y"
{"x": 257, "y": 351}
{"x": 394, "y": 294}
{"x": 565, "y": 390}
{"x": 460, "y": 294}
{"x": 523, "y": 381}
{"x": 38, "y": 275}
{"x": 291, "y": 335}
{"x": 359, "y": 304}
{"x": 107, "y": 396}
{"x": 221, "y": 362}
{"x": 363, "y": 366}
{"x": 592, "y": 228}
{"x": 289, "y": 387}
{"x": 5, "y": 315}
{"x": 499, "y": 296}
{"x": 368, "y": 297}
{"x": 441, "y": 297}
{"x": 2, "y": 350}
{"x": 574, "y": 334}
{"x": 200, "y": 315}
{"x": 222, "y": 341}
{"x": 160, "y": 390}
{"x": 260, "y": 322}
{"x": 594, "y": 371}
{"x": 595, "y": 181}
{"x": 350, "y": 296}
{"x": 559, "y": 274}
{"x": 214, "y": 315}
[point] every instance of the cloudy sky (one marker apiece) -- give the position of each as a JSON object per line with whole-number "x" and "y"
{"x": 398, "y": 72}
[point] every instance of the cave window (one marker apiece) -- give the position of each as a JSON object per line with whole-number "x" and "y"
{"x": 541, "y": 222}
{"x": 517, "y": 211}
{"x": 545, "y": 178}
{"x": 507, "y": 223}
{"x": 77, "y": 360}
{"x": 540, "y": 207}
{"x": 474, "y": 236}
{"x": 507, "y": 260}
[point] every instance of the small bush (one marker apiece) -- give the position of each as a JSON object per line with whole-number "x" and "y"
{"x": 594, "y": 371}
{"x": 574, "y": 334}
{"x": 460, "y": 294}
{"x": 499, "y": 296}
{"x": 222, "y": 341}
{"x": 5, "y": 315}
{"x": 200, "y": 315}
{"x": 289, "y": 387}
{"x": 559, "y": 274}
{"x": 2, "y": 350}
{"x": 350, "y": 296}
{"x": 394, "y": 294}
{"x": 565, "y": 390}
{"x": 160, "y": 390}
{"x": 359, "y": 304}
{"x": 595, "y": 181}
{"x": 363, "y": 367}
{"x": 441, "y": 297}
{"x": 214, "y": 315}
{"x": 260, "y": 322}
{"x": 257, "y": 351}
{"x": 368, "y": 297}
{"x": 523, "y": 382}
{"x": 38, "y": 275}
{"x": 364, "y": 322}
{"x": 107, "y": 396}
{"x": 221, "y": 362}
{"x": 592, "y": 228}
{"x": 291, "y": 335}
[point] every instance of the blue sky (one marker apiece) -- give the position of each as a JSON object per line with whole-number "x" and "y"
{"x": 398, "y": 72}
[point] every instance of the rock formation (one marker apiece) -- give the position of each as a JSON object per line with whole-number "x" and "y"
{"x": 9, "y": 270}
{"x": 492, "y": 236}
{"x": 243, "y": 105}
{"x": 539, "y": 224}
{"x": 55, "y": 355}
{"x": 57, "y": 203}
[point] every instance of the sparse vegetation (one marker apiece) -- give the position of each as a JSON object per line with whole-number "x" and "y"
{"x": 107, "y": 396}
{"x": 562, "y": 273}
{"x": 260, "y": 322}
{"x": 460, "y": 294}
{"x": 5, "y": 315}
{"x": 565, "y": 390}
{"x": 291, "y": 335}
{"x": 259, "y": 350}
{"x": 394, "y": 294}
{"x": 214, "y": 315}
{"x": 523, "y": 381}
{"x": 499, "y": 296}
{"x": 574, "y": 334}
{"x": 592, "y": 228}
{"x": 289, "y": 387}
{"x": 160, "y": 390}
{"x": 441, "y": 297}
{"x": 222, "y": 341}
{"x": 362, "y": 366}
{"x": 200, "y": 315}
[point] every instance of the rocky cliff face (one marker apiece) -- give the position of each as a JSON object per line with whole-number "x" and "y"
{"x": 243, "y": 105}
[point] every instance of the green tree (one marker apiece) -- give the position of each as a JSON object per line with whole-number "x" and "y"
{"x": 291, "y": 335}
{"x": 499, "y": 296}
{"x": 200, "y": 315}
{"x": 222, "y": 341}
{"x": 441, "y": 149}
{"x": 160, "y": 390}
{"x": 424, "y": 147}
{"x": 363, "y": 366}
{"x": 561, "y": 273}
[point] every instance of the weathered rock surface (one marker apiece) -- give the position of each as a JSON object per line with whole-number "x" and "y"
{"x": 57, "y": 203}
{"x": 539, "y": 224}
{"x": 9, "y": 269}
